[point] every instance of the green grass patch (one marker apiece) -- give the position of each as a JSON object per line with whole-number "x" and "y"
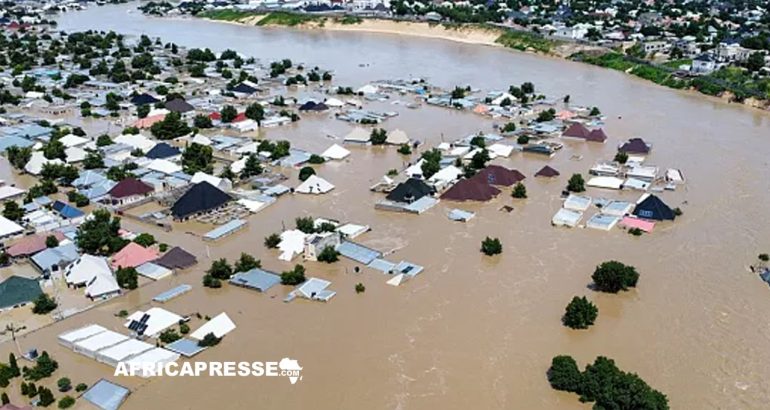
{"x": 523, "y": 41}
{"x": 283, "y": 18}
{"x": 226, "y": 14}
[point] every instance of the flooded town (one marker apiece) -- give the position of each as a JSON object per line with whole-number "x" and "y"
{"x": 377, "y": 219}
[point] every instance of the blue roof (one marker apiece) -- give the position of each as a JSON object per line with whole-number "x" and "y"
{"x": 30, "y": 131}
{"x": 257, "y": 279}
{"x": 185, "y": 347}
{"x": 13, "y": 140}
{"x": 172, "y": 293}
{"x": 66, "y": 210}
{"x": 98, "y": 190}
{"x": 225, "y": 229}
{"x": 59, "y": 256}
{"x": 358, "y": 253}
{"x": 106, "y": 395}
{"x": 88, "y": 178}
{"x": 382, "y": 265}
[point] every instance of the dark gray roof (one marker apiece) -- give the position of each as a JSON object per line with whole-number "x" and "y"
{"x": 17, "y": 290}
{"x": 200, "y": 198}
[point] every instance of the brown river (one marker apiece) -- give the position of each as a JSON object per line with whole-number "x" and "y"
{"x": 474, "y": 332}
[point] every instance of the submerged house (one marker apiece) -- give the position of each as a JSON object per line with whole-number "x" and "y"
{"x": 471, "y": 189}
{"x": 547, "y": 172}
{"x": 500, "y": 176}
{"x": 635, "y": 146}
{"x": 654, "y": 208}
{"x": 579, "y": 131}
{"x": 200, "y": 198}
{"x": 177, "y": 258}
{"x": 409, "y": 191}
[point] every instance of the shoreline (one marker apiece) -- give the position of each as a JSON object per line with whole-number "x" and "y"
{"x": 466, "y": 34}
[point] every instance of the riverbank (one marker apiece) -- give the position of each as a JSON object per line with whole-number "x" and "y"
{"x": 729, "y": 85}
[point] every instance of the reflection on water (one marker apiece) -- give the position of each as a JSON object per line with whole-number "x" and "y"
{"x": 475, "y": 332}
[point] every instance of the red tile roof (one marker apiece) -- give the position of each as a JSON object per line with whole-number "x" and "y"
{"x": 497, "y": 175}
{"x": 473, "y": 189}
{"x": 31, "y": 245}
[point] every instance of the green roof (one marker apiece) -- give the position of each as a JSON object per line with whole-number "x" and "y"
{"x": 16, "y": 290}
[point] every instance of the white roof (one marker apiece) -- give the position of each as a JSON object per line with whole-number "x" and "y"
{"x": 164, "y": 166}
{"x": 122, "y": 351}
{"x": 36, "y": 162}
{"x": 292, "y": 244}
{"x": 72, "y": 140}
{"x": 605, "y": 182}
{"x": 250, "y": 148}
{"x": 200, "y": 139}
{"x": 312, "y": 286}
{"x": 397, "y": 137}
{"x": 500, "y": 150}
{"x": 368, "y": 89}
{"x": 8, "y": 227}
{"x": 638, "y": 184}
{"x": 333, "y": 102}
{"x": 458, "y": 151}
{"x": 220, "y": 183}
{"x": 358, "y": 135}
{"x": 352, "y": 230}
{"x": 219, "y": 326}
{"x": 156, "y": 355}
{"x": 577, "y": 202}
{"x": 94, "y": 272}
{"x": 397, "y": 280}
{"x": 315, "y": 185}
{"x": 674, "y": 175}
{"x": 136, "y": 141}
{"x": 566, "y": 217}
{"x": 153, "y": 271}
{"x": 7, "y": 191}
{"x": 252, "y": 205}
{"x": 238, "y": 166}
{"x": 81, "y": 333}
{"x": 335, "y": 152}
{"x": 416, "y": 169}
{"x": 160, "y": 319}
{"x": 100, "y": 341}
{"x": 446, "y": 175}
{"x": 75, "y": 154}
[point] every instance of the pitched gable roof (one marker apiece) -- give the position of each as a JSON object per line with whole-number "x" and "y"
{"x": 179, "y": 105}
{"x": 547, "y": 172}
{"x": 497, "y": 175}
{"x": 576, "y": 130}
{"x": 130, "y": 187}
{"x": 133, "y": 255}
{"x": 162, "y": 150}
{"x": 410, "y": 190}
{"x": 142, "y": 99}
{"x": 473, "y": 189}
{"x": 201, "y": 197}
{"x": 177, "y": 258}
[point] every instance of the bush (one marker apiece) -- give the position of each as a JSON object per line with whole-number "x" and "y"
{"x": 169, "y": 336}
{"x": 163, "y": 247}
{"x": 378, "y": 136}
{"x": 44, "y": 304}
{"x": 576, "y": 183}
{"x": 328, "y": 255}
{"x": 128, "y": 278}
{"x": 305, "y": 173}
{"x": 81, "y": 387}
{"x": 522, "y": 139}
{"x": 46, "y": 397}
{"x": 64, "y": 384}
{"x": 316, "y": 159}
{"x": 360, "y": 288}
{"x": 635, "y": 231}
{"x": 678, "y": 211}
{"x": 621, "y": 157}
{"x": 145, "y": 239}
{"x": 211, "y": 282}
{"x": 220, "y": 269}
{"x": 613, "y": 276}
{"x": 491, "y": 246}
{"x": 519, "y": 191}
{"x": 44, "y": 367}
{"x": 580, "y": 313}
{"x": 606, "y": 385}
{"x": 272, "y": 241}
{"x": 764, "y": 257}
{"x": 184, "y": 328}
{"x": 66, "y": 402}
{"x": 405, "y": 149}
{"x": 564, "y": 374}
{"x": 293, "y": 277}
{"x": 209, "y": 340}
{"x": 246, "y": 263}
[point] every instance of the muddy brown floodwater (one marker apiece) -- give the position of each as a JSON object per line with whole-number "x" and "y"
{"x": 471, "y": 331}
